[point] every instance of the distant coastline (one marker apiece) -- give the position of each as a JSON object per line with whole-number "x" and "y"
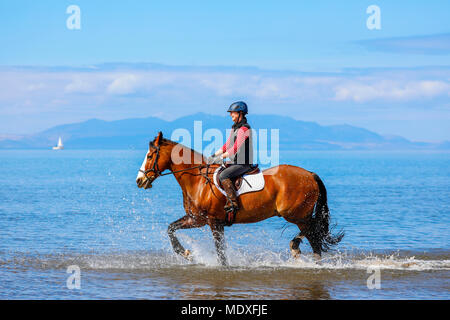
{"x": 135, "y": 134}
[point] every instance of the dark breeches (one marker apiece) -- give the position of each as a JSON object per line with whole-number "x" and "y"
{"x": 234, "y": 170}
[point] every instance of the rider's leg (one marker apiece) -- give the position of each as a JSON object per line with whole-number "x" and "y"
{"x": 234, "y": 171}
{"x": 232, "y": 203}
{"x": 226, "y": 177}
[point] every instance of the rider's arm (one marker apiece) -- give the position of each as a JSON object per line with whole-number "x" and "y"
{"x": 242, "y": 134}
{"x": 218, "y": 152}
{"x": 222, "y": 151}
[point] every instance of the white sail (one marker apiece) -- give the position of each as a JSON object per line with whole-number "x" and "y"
{"x": 60, "y": 145}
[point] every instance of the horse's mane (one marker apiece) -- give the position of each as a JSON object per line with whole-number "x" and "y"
{"x": 166, "y": 142}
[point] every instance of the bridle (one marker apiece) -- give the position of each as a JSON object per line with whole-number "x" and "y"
{"x": 158, "y": 172}
{"x": 155, "y": 168}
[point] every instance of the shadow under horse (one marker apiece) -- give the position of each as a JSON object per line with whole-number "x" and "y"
{"x": 297, "y": 195}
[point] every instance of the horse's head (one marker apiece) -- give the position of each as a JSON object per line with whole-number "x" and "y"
{"x": 156, "y": 161}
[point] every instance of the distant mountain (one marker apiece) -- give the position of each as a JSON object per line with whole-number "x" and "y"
{"x": 136, "y": 133}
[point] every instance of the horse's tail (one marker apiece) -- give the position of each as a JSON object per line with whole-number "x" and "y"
{"x": 319, "y": 234}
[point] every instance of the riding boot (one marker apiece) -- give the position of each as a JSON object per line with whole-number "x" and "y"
{"x": 232, "y": 204}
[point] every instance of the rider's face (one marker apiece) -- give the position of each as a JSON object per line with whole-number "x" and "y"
{"x": 234, "y": 116}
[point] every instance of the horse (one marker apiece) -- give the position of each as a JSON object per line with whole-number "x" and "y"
{"x": 293, "y": 193}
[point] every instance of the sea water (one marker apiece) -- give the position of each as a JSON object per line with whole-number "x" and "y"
{"x": 82, "y": 208}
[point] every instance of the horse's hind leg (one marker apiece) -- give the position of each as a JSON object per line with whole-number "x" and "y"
{"x": 295, "y": 245}
{"x": 316, "y": 246}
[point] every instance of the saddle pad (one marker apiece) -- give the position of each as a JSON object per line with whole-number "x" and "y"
{"x": 255, "y": 180}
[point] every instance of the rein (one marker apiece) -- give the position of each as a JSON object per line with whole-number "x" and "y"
{"x": 159, "y": 173}
{"x": 155, "y": 167}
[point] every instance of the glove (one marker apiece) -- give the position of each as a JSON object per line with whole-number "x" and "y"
{"x": 213, "y": 160}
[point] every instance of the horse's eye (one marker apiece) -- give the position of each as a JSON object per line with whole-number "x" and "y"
{"x": 149, "y": 156}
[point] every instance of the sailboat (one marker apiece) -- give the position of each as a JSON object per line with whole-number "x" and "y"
{"x": 60, "y": 146}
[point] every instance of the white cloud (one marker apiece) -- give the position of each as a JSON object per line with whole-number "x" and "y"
{"x": 81, "y": 85}
{"x": 364, "y": 91}
{"x": 75, "y": 94}
{"x": 101, "y": 87}
{"x": 35, "y": 86}
{"x": 124, "y": 84}
{"x": 424, "y": 44}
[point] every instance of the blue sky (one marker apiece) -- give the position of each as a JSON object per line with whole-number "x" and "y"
{"x": 312, "y": 60}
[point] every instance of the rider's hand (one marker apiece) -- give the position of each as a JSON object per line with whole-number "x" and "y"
{"x": 214, "y": 159}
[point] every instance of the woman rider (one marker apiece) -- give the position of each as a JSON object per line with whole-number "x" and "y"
{"x": 240, "y": 150}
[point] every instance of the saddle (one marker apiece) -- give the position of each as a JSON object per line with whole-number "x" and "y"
{"x": 237, "y": 181}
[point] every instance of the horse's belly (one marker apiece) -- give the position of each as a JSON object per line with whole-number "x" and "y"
{"x": 256, "y": 206}
{"x": 252, "y": 217}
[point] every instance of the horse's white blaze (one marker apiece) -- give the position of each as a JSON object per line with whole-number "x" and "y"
{"x": 140, "y": 173}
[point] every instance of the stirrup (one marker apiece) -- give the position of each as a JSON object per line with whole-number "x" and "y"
{"x": 231, "y": 209}
{"x": 230, "y": 206}
{"x": 230, "y": 215}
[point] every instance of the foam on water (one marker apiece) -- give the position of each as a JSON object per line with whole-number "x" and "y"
{"x": 254, "y": 256}
{"x": 238, "y": 260}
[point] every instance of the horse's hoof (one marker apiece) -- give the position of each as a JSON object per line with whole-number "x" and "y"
{"x": 317, "y": 257}
{"x": 295, "y": 254}
{"x": 187, "y": 255}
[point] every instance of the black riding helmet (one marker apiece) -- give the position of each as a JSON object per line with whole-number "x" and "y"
{"x": 239, "y": 106}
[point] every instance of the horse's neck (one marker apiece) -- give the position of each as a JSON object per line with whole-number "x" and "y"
{"x": 188, "y": 179}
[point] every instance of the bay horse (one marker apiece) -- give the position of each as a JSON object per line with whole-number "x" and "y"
{"x": 297, "y": 195}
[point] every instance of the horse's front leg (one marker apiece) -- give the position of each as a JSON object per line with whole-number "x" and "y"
{"x": 185, "y": 222}
{"x": 219, "y": 241}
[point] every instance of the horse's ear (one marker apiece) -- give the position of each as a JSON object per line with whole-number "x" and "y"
{"x": 159, "y": 139}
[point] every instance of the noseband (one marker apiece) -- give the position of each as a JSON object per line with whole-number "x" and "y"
{"x": 155, "y": 167}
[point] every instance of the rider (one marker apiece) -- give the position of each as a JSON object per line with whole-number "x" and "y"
{"x": 240, "y": 150}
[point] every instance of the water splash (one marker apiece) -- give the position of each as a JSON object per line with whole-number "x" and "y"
{"x": 239, "y": 259}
